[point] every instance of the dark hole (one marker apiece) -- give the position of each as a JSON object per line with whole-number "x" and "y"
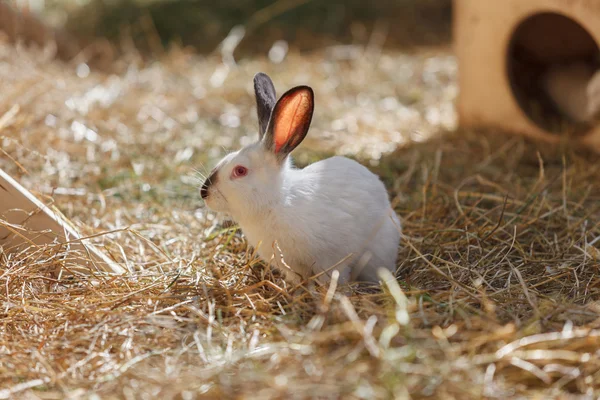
{"x": 541, "y": 44}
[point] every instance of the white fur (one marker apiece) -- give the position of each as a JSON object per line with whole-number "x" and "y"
{"x": 318, "y": 215}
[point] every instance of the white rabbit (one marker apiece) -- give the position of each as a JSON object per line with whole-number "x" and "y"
{"x": 333, "y": 214}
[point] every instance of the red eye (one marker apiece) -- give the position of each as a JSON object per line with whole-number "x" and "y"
{"x": 239, "y": 171}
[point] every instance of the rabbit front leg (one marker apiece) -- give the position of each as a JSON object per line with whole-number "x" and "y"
{"x": 291, "y": 276}
{"x": 341, "y": 284}
{"x": 344, "y": 275}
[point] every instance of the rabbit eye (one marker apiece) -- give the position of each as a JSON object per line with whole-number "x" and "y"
{"x": 239, "y": 171}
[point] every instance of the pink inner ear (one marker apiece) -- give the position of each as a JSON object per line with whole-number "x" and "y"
{"x": 292, "y": 113}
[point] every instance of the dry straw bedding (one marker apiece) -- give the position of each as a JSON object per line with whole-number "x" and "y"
{"x": 499, "y": 264}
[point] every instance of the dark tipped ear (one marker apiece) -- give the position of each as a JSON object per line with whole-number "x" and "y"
{"x": 265, "y": 100}
{"x": 290, "y": 121}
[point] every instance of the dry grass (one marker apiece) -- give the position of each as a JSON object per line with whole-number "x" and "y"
{"x": 499, "y": 265}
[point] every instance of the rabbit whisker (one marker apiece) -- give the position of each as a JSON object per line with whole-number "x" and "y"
{"x": 203, "y": 175}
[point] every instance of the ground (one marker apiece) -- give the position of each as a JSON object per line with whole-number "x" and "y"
{"x": 497, "y": 291}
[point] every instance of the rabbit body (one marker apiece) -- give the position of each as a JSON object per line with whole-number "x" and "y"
{"x": 332, "y": 214}
{"x": 326, "y": 212}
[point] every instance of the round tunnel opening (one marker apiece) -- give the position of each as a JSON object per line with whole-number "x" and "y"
{"x": 550, "y": 63}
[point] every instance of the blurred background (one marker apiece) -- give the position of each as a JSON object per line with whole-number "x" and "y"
{"x": 304, "y": 24}
{"x": 174, "y": 77}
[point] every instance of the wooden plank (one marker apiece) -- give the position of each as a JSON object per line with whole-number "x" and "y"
{"x": 26, "y": 221}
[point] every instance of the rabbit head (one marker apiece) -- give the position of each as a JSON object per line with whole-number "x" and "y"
{"x": 250, "y": 179}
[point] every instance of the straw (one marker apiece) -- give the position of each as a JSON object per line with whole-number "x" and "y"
{"x": 498, "y": 286}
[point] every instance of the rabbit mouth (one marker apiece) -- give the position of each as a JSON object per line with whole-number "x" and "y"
{"x": 211, "y": 182}
{"x": 222, "y": 195}
{"x": 208, "y": 183}
{"x": 216, "y": 200}
{"x": 205, "y": 193}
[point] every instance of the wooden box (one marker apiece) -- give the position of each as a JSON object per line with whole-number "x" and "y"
{"x": 503, "y": 46}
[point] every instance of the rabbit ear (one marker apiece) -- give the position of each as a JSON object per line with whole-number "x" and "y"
{"x": 290, "y": 121}
{"x": 265, "y": 101}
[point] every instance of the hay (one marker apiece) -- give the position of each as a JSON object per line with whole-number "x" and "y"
{"x": 499, "y": 265}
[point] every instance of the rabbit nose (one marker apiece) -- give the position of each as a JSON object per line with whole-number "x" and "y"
{"x": 204, "y": 190}
{"x": 209, "y": 181}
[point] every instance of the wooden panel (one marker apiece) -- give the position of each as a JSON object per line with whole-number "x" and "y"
{"x": 26, "y": 221}
{"x": 483, "y": 33}
{"x": 552, "y": 37}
